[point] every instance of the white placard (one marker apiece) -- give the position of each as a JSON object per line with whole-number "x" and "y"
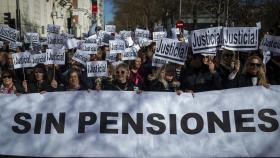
{"x": 153, "y": 124}
{"x": 159, "y": 35}
{"x": 39, "y": 59}
{"x": 172, "y": 51}
{"x": 72, "y": 43}
{"x": 206, "y": 40}
{"x": 111, "y": 57}
{"x": 81, "y": 57}
{"x": 1, "y": 44}
{"x": 158, "y": 62}
{"x": 53, "y": 29}
{"x": 117, "y": 46}
{"x": 55, "y": 41}
{"x": 144, "y": 42}
{"x": 30, "y": 37}
{"x": 22, "y": 60}
{"x": 271, "y": 43}
{"x": 110, "y": 28}
{"x": 55, "y": 56}
{"x": 90, "y": 48}
{"x": 241, "y": 38}
{"x": 9, "y": 34}
{"x": 129, "y": 42}
{"x": 158, "y": 29}
{"x": 130, "y": 54}
{"x": 97, "y": 69}
{"x": 125, "y": 34}
{"x": 140, "y": 33}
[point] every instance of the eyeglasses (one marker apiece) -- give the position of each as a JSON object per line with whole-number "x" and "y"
{"x": 255, "y": 64}
{"x": 120, "y": 72}
{"x": 8, "y": 76}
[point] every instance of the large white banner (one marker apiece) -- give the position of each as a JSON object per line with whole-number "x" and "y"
{"x": 228, "y": 123}
{"x": 171, "y": 50}
{"x": 271, "y": 43}
{"x": 206, "y": 40}
{"x": 241, "y": 38}
{"x": 9, "y": 34}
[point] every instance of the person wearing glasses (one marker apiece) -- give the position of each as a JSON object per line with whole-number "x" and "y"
{"x": 253, "y": 73}
{"x": 122, "y": 81}
{"x": 9, "y": 86}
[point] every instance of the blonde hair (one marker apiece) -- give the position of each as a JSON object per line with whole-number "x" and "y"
{"x": 261, "y": 73}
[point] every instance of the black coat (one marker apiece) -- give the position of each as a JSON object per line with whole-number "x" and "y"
{"x": 116, "y": 86}
{"x": 273, "y": 73}
{"x": 35, "y": 87}
{"x": 200, "y": 79}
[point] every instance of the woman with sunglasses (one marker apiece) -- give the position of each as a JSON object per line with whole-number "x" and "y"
{"x": 253, "y": 73}
{"x": 122, "y": 81}
{"x": 9, "y": 86}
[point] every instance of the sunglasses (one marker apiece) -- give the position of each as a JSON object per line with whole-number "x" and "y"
{"x": 120, "y": 72}
{"x": 8, "y": 76}
{"x": 255, "y": 64}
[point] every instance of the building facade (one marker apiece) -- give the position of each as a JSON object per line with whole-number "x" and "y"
{"x": 73, "y": 16}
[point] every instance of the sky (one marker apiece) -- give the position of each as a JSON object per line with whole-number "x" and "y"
{"x": 108, "y": 11}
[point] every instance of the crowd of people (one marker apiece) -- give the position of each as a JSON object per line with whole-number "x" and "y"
{"x": 201, "y": 72}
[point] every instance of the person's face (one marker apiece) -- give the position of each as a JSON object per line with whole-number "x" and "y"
{"x": 74, "y": 79}
{"x": 10, "y": 59}
{"x": 138, "y": 62}
{"x": 228, "y": 57}
{"x": 122, "y": 75}
{"x": 39, "y": 75}
{"x": 168, "y": 77}
{"x": 254, "y": 66}
{"x": 205, "y": 60}
{"x": 7, "y": 79}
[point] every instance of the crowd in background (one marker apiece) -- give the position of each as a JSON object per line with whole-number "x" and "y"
{"x": 201, "y": 72}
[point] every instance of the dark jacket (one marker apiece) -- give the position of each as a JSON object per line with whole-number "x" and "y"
{"x": 200, "y": 79}
{"x": 273, "y": 73}
{"x": 35, "y": 87}
{"x": 116, "y": 86}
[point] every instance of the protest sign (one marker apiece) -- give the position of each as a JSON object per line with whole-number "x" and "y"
{"x": 206, "y": 40}
{"x": 106, "y": 38}
{"x": 158, "y": 29}
{"x": 9, "y": 34}
{"x": 266, "y": 56}
{"x": 129, "y": 42}
{"x": 110, "y": 28}
{"x": 39, "y": 59}
{"x": 67, "y": 36}
{"x": 144, "y": 42}
{"x": 241, "y": 38}
{"x": 13, "y": 46}
{"x": 89, "y": 48}
{"x": 1, "y": 44}
{"x": 171, "y": 50}
{"x": 72, "y": 43}
{"x": 140, "y": 33}
{"x": 125, "y": 34}
{"x": 30, "y": 37}
{"x": 81, "y": 57}
{"x": 130, "y": 54}
{"x": 124, "y": 124}
{"x": 158, "y": 62}
{"x": 53, "y": 29}
{"x": 159, "y": 35}
{"x": 117, "y": 46}
{"x": 55, "y": 56}
{"x": 22, "y": 60}
{"x": 271, "y": 43}
{"x": 111, "y": 57}
{"x": 97, "y": 69}
{"x": 55, "y": 41}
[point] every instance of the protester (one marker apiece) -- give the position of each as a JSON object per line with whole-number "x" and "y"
{"x": 122, "y": 81}
{"x": 9, "y": 85}
{"x": 253, "y": 73}
{"x": 273, "y": 70}
{"x": 135, "y": 76}
{"x": 199, "y": 76}
{"x": 74, "y": 81}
